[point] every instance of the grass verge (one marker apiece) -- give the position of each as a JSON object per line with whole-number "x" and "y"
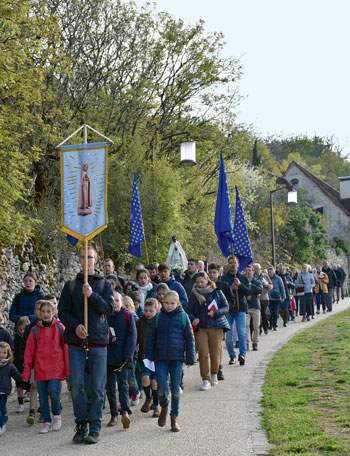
{"x": 306, "y": 394}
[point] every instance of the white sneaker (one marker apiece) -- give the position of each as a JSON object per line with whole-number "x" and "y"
{"x": 2, "y": 429}
{"x": 205, "y": 386}
{"x": 20, "y": 408}
{"x": 45, "y": 429}
{"x": 27, "y": 396}
{"x": 214, "y": 380}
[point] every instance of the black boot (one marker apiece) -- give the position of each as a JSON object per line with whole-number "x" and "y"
{"x": 81, "y": 431}
{"x": 220, "y": 374}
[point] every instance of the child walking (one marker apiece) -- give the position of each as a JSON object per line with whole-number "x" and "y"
{"x": 120, "y": 355}
{"x": 7, "y": 371}
{"x": 170, "y": 330}
{"x": 19, "y": 344}
{"x": 149, "y": 382}
{"x": 45, "y": 346}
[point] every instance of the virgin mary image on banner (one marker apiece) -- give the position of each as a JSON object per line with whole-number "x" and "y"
{"x": 85, "y": 193}
{"x": 84, "y": 189}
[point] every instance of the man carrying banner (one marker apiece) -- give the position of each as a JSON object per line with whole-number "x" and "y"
{"x": 87, "y": 350}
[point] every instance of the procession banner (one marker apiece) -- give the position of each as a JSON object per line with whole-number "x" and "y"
{"x": 84, "y": 189}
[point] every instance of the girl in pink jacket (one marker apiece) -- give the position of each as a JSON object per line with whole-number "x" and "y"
{"x": 45, "y": 346}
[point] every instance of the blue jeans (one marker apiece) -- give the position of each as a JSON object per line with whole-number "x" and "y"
{"x": 321, "y": 299}
{"x": 133, "y": 386}
{"x": 97, "y": 365}
{"x": 50, "y": 388}
{"x": 274, "y": 308}
{"x": 3, "y": 400}
{"x": 123, "y": 390}
{"x": 175, "y": 370}
{"x": 240, "y": 318}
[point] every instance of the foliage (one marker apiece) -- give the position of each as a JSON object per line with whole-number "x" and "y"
{"x": 340, "y": 246}
{"x": 307, "y": 235}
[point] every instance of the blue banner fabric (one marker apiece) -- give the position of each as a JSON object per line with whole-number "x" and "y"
{"x": 137, "y": 235}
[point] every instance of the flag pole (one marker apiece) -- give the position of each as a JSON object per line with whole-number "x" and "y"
{"x": 102, "y": 255}
{"x": 235, "y": 276}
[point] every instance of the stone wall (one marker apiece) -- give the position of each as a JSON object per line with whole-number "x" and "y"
{"x": 53, "y": 270}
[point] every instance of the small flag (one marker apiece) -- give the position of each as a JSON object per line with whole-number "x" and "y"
{"x": 137, "y": 234}
{"x": 72, "y": 240}
{"x": 213, "y": 306}
{"x": 241, "y": 240}
{"x": 223, "y": 217}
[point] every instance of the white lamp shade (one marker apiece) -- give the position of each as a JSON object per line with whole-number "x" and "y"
{"x": 293, "y": 197}
{"x": 188, "y": 153}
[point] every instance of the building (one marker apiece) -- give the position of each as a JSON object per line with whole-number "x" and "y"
{"x": 334, "y": 205}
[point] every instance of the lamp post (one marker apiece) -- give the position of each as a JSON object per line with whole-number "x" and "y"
{"x": 292, "y": 198}
{"x": 188, "y": 153}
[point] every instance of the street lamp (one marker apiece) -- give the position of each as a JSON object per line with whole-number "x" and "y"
{"x": 292, "y": 198}
{"x": 188, "y": 153}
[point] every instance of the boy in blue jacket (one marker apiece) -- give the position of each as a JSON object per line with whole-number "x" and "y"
{"x": 171, "y": 330}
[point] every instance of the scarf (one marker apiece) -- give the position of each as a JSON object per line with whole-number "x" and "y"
{"x": 4, "y": 362}
{"x": 200, "y": 292}
{"x": 143, "y": 292}
{"x": 191, "y": 275}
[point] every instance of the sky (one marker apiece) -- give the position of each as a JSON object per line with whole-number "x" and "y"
{"x": 295, "y": 57}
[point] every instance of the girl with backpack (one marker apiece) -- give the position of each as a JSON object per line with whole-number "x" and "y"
{"x": 208, "y": 308}
{"x": 120, "y": 356}
{"x": 45, "y": 347}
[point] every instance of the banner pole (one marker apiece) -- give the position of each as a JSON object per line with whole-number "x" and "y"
{"x": 235, "y": 276}
{"x": 86, "y": 282}
{"x": 146, "y": 252}
{"x": 85, "y": 134}
{"x": 102, "y": 255}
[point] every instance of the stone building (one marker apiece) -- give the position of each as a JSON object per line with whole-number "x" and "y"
{"x": 333, "y": 205}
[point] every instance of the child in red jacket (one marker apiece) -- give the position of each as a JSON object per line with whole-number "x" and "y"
{"x": 45, "y": 346}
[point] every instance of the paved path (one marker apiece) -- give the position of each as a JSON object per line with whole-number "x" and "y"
{"x": 221, "y": 421}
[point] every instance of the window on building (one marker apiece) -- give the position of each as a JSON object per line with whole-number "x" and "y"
{"x": 295, "y": 182}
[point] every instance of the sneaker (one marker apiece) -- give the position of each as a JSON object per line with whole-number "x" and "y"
{"x": 31, "y": 418}
{"x": 2, "y": 429}
{"x": 147, "y": 405}
{"x": 56, "y": 423}
{"x": 241, "y": 360}
{"x": 81, "y": 431}
{"x": 134, "y": 399}
{"x": 45, "y": 429}
{"x": 20, "y": 408}
{"x": 232, "y": 360}
{"x": 26, "y": 397}
{"x": 214, "y": 380}
{"x": 255, "y": 346}
{"x": 205, "y": 385}
{"x": 92, "y": 438}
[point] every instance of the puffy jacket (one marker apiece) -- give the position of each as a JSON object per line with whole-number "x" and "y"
{"x": 6, "y": 373}
{"x": 166, "y": 342}
{"x": 176, "y": 286}
{"x": 49, "y": 352}
{"x": 324, "y": 282}
{"x": 124, "y": 347}
{"x": 23, "y": 304}
{"x": 143, "y": 326}
{"x": 71, "y": 309}
{"x": 255, "y": 291}
{"x": 243, "y": 292}
{"x": 219, "y": 321}
{"x": 278, "y": 287}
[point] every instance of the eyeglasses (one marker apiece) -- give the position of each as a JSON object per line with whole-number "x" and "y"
{"x": 89, "y": 257}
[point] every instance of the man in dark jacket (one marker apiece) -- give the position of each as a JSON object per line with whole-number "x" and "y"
{"x": 332, "y": 283}
{"x": 253, "y": 306}
{"x": 237, "y": 310}
{"x": 99, "y": 294}
{"x": 187, "y": 280}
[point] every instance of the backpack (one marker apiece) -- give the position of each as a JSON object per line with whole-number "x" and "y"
{"x": 60, "y": 328}
{"x": 183, "y": 318}
{"x": 72, "y": 283}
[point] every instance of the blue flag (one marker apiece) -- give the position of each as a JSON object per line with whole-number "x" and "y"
{"x": 223, "y": 217}
{"x": 137, "y": 234}
{"x": 241, "y": 240}
{"x": 72, "y": 240}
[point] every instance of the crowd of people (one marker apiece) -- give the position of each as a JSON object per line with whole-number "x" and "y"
{"x": 141, "y": 333}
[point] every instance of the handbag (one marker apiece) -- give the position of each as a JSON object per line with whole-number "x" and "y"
{"x": 293, "y": 304}
{"x": 300, "y": 291}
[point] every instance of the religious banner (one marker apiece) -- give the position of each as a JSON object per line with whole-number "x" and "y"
{"x": 84, "y": 189}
